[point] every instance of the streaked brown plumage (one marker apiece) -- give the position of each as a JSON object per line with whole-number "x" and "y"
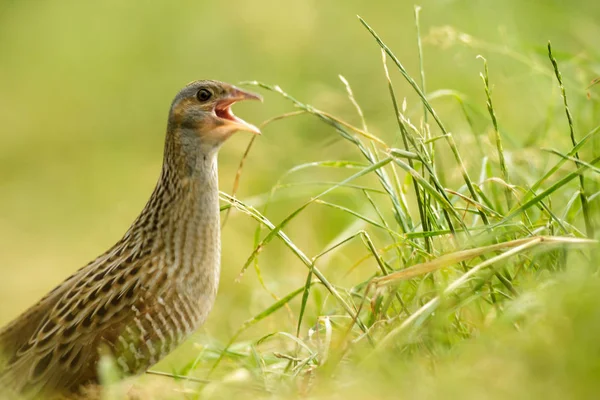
{"x": 155, "y": 286}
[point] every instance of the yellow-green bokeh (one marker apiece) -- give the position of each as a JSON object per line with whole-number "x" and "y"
{"x": 85, "y": 89}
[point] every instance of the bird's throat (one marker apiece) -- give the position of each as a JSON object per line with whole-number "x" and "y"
{"x": 181, "y": 219}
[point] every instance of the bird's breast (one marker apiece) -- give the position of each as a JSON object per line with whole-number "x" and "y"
{"x": 197, "y": 268}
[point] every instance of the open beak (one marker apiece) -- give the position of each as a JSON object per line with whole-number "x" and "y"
{"x": 223, "y": 110}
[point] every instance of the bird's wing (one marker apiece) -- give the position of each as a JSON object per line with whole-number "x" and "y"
{"x": 54, "y": 345}
{"x": 17, "y": 333}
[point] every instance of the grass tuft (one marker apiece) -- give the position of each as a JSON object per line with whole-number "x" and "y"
{"x": 582, "y": 194}
{"x": 427, "y": 261}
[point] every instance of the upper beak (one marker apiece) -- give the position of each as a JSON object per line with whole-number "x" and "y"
{"x": 223, "y": 109}
{"x": 240, "y": 94}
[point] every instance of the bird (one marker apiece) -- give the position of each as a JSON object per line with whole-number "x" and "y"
{"x": 145, "y": 295}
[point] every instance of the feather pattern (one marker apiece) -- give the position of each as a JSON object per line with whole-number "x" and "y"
{"x": 142, "y": 297}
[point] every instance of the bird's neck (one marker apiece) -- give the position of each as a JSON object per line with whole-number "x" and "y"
{"x": 189, "y": 168}
{"x": 181, "y": 219}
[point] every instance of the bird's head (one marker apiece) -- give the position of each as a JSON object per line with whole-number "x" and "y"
{"x": 201, "y": 113}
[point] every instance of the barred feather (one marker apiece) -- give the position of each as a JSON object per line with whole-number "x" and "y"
{"x": 146, "y": 294}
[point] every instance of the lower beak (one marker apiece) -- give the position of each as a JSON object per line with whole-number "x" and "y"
{"x": 223, "y": 110}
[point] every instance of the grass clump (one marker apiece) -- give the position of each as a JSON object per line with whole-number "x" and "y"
{"x": 460, "y": 272}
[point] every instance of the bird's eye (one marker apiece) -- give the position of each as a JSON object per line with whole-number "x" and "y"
{"x": 203, "y": 94}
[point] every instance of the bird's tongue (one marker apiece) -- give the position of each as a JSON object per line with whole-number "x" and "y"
{"x": 223, "y": 111}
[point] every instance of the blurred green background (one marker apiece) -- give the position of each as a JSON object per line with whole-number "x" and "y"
{"x": 85, "y": 89}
